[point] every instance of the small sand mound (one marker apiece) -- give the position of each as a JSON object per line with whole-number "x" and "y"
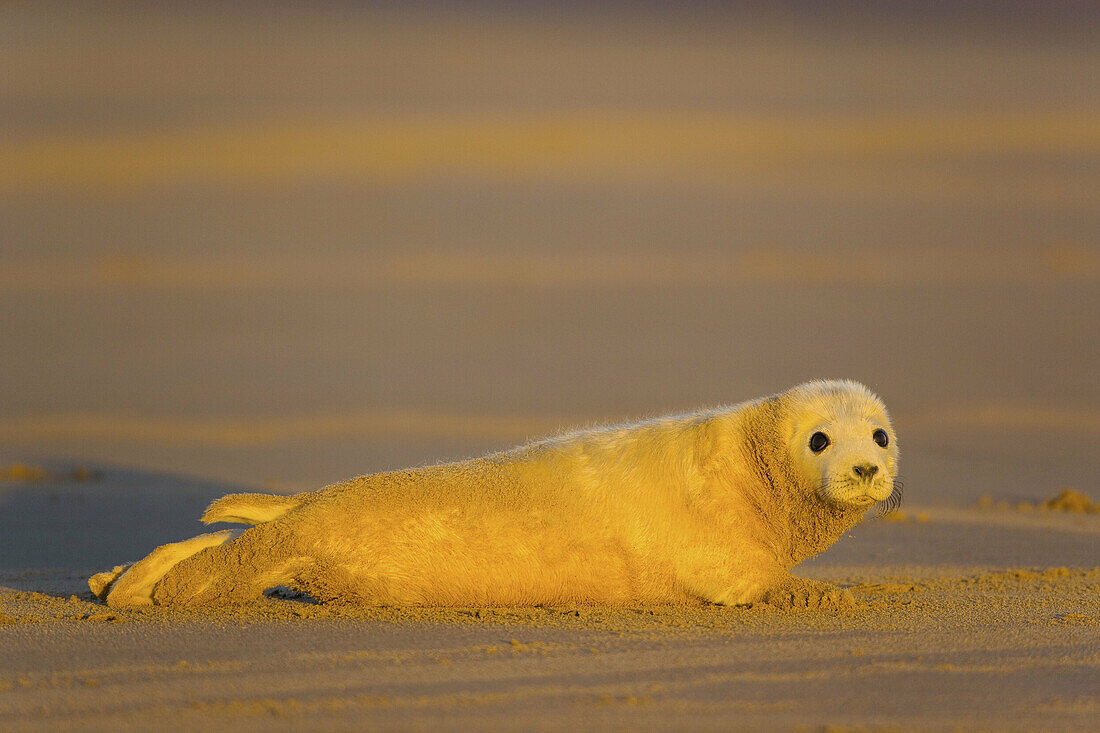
{"x": 22, "y": 472}
{"x": 1071, "y": 501}
{"x": 25, "y": 472}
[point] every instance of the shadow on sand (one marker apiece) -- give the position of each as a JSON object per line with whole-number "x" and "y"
{"x": 114, "y": 516}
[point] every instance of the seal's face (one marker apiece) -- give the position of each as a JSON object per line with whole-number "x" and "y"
{"x": 844, "y": 445}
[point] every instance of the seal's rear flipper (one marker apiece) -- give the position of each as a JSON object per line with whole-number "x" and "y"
{"x": 101, "y": 583}
{"x": 249, "y": 508}
{"x": 132, "y": 585}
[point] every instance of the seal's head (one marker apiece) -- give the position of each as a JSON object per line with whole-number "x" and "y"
{"x": 843, "y": 444}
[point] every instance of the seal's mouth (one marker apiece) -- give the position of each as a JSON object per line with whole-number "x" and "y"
{"x": 860, "y": 494}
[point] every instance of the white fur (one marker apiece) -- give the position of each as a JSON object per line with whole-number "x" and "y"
{"x": 715, "y": 505}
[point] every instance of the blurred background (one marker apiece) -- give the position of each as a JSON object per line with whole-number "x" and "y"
{"x": 284, "y": 244}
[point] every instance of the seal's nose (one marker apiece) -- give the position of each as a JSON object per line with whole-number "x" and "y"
{"x": 865, "y": 471}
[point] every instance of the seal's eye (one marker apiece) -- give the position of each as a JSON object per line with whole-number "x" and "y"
{"x": 819, "y": 442}
{"x": 880, "y": 437}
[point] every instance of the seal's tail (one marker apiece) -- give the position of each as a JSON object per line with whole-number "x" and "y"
{"x": 249, "y": 508}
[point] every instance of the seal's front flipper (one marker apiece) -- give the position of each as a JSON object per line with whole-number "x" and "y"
{"x": 132, "y": 585}
{"x": 814, "y": 594}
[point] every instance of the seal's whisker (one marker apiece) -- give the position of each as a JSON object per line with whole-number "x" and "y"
{"x": 893, "y": 501}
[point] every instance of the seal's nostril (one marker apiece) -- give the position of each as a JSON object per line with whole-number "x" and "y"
{"x": 867, "y": 470}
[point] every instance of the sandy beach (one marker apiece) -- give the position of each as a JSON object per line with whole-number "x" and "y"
{"x": 981, "y": 618}
{"x": 268, "y": 253}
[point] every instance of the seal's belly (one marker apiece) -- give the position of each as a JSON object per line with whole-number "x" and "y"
{"x": 453, "y": 557}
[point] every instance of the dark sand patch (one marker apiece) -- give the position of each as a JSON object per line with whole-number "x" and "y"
{"x": 111, "y": 516}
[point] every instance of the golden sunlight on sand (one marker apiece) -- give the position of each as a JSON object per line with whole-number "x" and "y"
{"x": 716, "y": 149}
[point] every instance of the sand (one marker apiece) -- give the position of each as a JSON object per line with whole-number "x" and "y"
{"x": 983, "y": 617}
{"x": 1005, "y": 650}
{"x": 272, "y": 250}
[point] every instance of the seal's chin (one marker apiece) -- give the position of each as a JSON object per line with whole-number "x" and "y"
{"x": 863, "y": 500}
{"x": 854, "y": 495}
